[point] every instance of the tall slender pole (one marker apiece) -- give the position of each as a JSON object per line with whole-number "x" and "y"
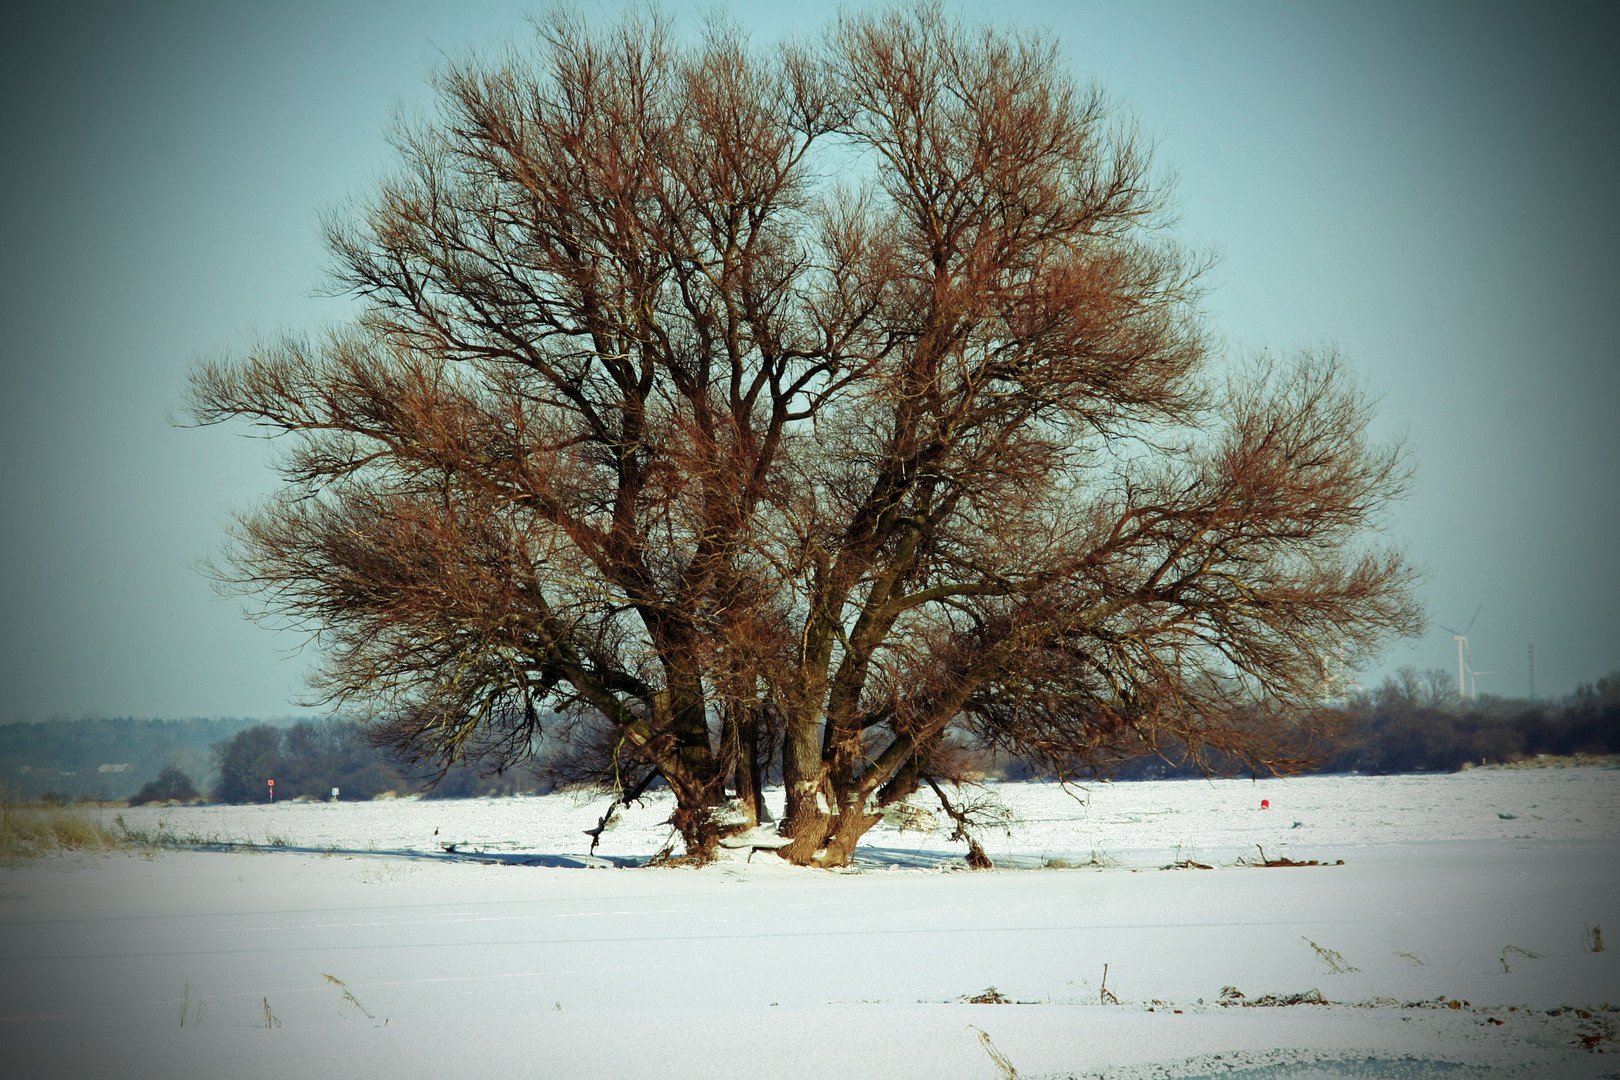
{"x": 1532, "y": 671}
{"x": 1462, "y": 681}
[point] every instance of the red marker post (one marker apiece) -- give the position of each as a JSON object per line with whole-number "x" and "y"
{"x": 272, "y": 784}
{"x": 1265, "y": 804}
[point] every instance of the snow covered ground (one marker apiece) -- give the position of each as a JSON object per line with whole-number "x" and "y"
{"x": 349, "y": 942}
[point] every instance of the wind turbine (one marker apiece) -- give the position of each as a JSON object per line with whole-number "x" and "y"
{"x": 1464, "y": 665}
{"x": 1336, "y": 682}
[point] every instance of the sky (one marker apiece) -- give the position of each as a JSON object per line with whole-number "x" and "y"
{"x": 1430, "y": 189}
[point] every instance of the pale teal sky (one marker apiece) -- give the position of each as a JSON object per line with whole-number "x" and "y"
{"x": 1432, "y": 188}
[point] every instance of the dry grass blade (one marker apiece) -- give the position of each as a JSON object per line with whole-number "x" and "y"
{"x": 1008, "y": 1072}
{"x": 1106, "y": 996}
{"x": 186, "y": 1007}
{"x": 1331, "y": 957}
{"x": 1516, "y": 951}
{"x": 348, "y": 995}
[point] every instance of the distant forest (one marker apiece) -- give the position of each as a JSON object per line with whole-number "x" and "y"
{"x": 220, "y": 760}
{"x": 1412, "y": 723}
{"x": 1416, "y": 722}
{"x": 109, "y": 759}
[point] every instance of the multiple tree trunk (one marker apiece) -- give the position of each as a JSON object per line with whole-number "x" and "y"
{"x": 827, "y": 407}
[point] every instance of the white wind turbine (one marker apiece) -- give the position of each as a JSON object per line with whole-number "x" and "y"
{"x": 1465, "y": 658}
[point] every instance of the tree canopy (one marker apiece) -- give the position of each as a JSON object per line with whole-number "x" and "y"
{"x": 824, "y": 407}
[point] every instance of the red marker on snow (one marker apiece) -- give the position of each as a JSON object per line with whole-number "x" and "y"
{"x": 1265, "y": 804}
{"x": 272, "y": 784}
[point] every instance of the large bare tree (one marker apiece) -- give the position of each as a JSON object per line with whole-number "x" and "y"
{"x": 832, "y": 405}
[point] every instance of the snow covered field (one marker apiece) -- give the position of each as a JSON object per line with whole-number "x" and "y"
{"x": 349, "y": 942}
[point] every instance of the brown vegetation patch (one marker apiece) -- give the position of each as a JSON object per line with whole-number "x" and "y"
{"x": 29, "y": 832}
{"x": 1274, "y": 1001}
{"x": 1283, "y": 860}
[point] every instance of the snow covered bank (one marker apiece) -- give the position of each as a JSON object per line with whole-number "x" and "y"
{"x": 365, "y": 965}
{"x": 1145, "y": 823}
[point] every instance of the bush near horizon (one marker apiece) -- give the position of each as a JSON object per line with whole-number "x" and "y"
{"x": 170, "y": 785}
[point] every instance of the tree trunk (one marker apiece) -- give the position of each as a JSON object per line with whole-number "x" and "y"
{"x": 699, "y": 792}
{"x": 845, "y": 832}
{"x": 699, "y": 830}
{"x": 749, "y": 781}
{"x": 808, "y": 813}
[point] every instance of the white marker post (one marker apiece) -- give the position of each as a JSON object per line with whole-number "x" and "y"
{"x": 334, "y": 794}
{"x": 272, "y": 784}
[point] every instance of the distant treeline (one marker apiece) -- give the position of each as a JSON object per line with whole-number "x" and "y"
{"x": 229, "y": 761}
{"x": 313, "y": 758}
{"x": 108, "y": 759}
{"x": 1414, "y": 722}
{"x": 220, "y": 760}
{"x": 306, "y": 760}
